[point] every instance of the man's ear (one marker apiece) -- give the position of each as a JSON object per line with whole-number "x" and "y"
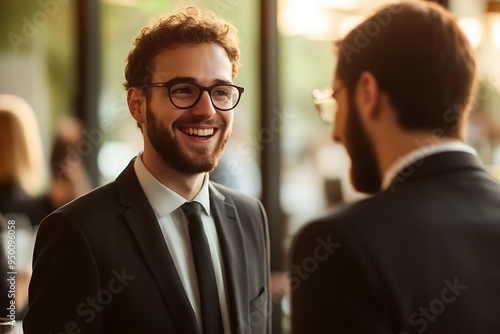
{"x": 137, "y": 104}
{"x": 368, "y": 96}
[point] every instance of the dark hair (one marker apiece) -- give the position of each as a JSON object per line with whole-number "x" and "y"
{"x": 420, "y": 57}
{"x": 189, "y": 26}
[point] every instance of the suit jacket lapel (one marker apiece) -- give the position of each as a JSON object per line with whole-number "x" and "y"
{"x": 234, "y": 257}
{"x": 144, "y": 226}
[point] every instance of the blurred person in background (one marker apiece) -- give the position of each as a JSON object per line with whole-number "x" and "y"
{"x": 70, "y": 178}
{"x": 423, "y": 253}
{"x": 22, "y": 176}
{"x": 22, "y": 163}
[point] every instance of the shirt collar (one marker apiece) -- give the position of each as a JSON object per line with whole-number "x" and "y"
{"x": 410, "y": 158}
{"x": 163, "y": 200}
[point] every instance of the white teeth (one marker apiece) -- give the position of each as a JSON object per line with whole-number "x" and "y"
{"x": 198, "y": 132}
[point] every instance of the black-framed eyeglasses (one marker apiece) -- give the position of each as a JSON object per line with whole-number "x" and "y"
{"x": 185, "y": 94}
{"x": 324, "y": 101}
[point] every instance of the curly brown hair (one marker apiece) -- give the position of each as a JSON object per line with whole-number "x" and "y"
{"x": 189, "y": 26}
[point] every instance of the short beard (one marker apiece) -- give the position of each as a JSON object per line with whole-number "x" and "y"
{"x": 166, "y": 145}
{"x": 365, "y": 173}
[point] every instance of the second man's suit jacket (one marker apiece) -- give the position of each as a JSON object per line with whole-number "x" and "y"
{"x": 421, "y": 257}
{"x": 101, "y": 265}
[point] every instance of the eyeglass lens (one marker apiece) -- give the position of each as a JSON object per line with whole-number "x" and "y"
{"x": 185, "y": 95}
{"x": 325, "y": 104}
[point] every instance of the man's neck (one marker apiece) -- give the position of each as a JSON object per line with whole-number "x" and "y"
{"x": 391, "y": 152}
{"x": 421, "y": 150}
{"x": 184, "y": 184}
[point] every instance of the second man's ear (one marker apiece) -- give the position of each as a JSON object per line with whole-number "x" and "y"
{"x": 368, "y": 95}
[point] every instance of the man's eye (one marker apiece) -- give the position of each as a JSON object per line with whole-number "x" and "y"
{"x": 182, "y": 90}
{"x": 221, "y": 92}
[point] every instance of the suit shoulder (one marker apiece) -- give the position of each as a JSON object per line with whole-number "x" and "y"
{"x": 346, "y": 212}
{"x": 347, "y": 219}
{"x": 94, "y": 200}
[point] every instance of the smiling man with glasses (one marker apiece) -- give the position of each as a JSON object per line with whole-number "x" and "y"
{"x": 422, "y": 254}
{"x": 162, "y": 249}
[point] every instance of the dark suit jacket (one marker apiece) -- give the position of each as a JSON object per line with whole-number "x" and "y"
{"x": 101, "y": 265}
{"x": 16, "y": 204}
{"x": 420, "y": 257}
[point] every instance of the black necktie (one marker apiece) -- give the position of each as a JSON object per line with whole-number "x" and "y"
{"x": 209, "y": 298}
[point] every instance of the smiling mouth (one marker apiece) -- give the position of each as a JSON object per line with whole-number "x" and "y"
{"x": 201, "y": 133}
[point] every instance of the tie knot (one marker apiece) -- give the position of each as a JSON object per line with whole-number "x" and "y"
{"x": 190, "y": 209}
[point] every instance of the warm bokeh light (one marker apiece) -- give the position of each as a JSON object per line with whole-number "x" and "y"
{"x": 472, "y": 29}
{"x": 323, "y": 19}
{"x": 349, "y": 23}
{"x": 495, "y": 27}
{"x": 304, "y": 18}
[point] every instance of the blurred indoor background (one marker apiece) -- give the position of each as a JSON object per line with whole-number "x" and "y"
{"x": 66, "y": 58}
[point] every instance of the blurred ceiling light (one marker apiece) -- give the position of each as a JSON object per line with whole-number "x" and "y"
{"x": 489, "y": 50}
{"x": 298, "y": 17}
{"x": 472, "y": 29}
{"x": 126, "y": 3}
{"x": 339, "y": 5}
{"x": 493, "y": 12}
{"x": 495, "y": 26}
{"x": 349, "y": 23}
{"x": 322, "y": 19}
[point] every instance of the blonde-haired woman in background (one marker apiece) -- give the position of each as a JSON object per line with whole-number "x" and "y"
{"x": 22, "y": 164}
{"x": 22, "y": 178}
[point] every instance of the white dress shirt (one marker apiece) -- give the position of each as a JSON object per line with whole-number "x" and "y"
{"x": 166, "y": 205}
{"x": 420, "y": 153}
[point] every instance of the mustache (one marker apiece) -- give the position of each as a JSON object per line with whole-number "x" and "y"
{"x": 193, "y": 121}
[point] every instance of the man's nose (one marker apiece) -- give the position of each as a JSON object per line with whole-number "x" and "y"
{"x": 204, "y": 107}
